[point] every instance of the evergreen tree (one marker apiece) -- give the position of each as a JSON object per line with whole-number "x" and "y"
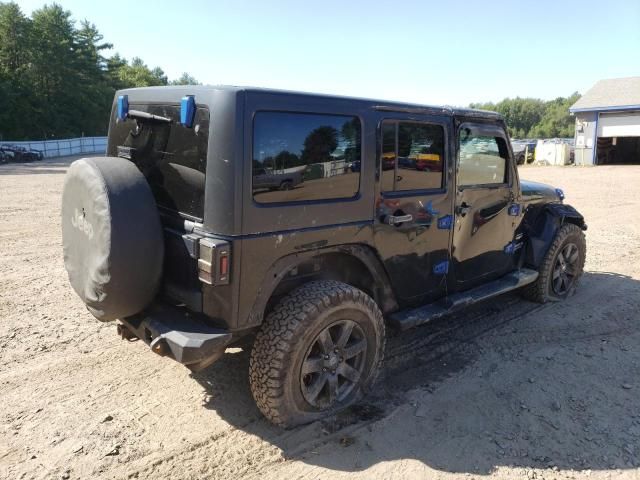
{"x": 55, "y": 78}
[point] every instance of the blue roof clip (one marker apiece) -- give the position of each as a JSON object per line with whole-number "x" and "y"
{"x": 187, "y": 110}
{"x": 123, "y": 107}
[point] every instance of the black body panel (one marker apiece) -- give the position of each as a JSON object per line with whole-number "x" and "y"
{"x": 485, "y": 226}
{"x": 403, "y": 248}
{"x": 412, "y": 250}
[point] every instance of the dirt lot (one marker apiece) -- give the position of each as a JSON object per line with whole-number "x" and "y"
{"x": 510, "y": 390}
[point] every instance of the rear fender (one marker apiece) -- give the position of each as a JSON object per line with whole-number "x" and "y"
{"x": 291, "y": 267}
{"x": 542, "y": 229}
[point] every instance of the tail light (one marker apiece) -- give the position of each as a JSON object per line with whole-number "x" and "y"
{"x": 214, "y": 263}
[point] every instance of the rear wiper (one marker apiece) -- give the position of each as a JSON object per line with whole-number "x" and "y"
{"x": 138, "y": 115}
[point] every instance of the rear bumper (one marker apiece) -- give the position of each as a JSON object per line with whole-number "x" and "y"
{"x": 175, "y": 333}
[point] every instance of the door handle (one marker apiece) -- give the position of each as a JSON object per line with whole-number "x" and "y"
{"x": 397, "y": 219}
{"x": 463, "y": 209}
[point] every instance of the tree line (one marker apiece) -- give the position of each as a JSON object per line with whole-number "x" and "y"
{"x": 56, "y": 80}
{"x": 535, "y": 118}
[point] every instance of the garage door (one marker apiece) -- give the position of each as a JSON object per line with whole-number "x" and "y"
{"x": 619, "y": 125}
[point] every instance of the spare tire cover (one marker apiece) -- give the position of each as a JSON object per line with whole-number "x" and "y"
{"x": 111, "y": 236}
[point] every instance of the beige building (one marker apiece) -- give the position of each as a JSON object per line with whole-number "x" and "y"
{"x": 608, "y": 123}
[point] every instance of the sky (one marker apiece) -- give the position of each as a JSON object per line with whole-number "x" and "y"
{"x": 433, "y": 52}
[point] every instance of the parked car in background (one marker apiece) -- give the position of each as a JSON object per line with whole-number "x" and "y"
{"x": 266, "y": 178}
{"x": 15, "y": 153}
{"x": 388, "y": 161}
{"x": 428, "y": 162}
{"x": 6, "y": 156}
{"x": 522, "y": 148}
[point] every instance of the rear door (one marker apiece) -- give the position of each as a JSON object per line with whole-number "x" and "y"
{"x": 173, "y": 158}
{"x": 413, "y": 215}
{"x": 485, "y": 212}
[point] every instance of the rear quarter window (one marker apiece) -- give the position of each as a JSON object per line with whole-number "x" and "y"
{"x": 305, "y": 157}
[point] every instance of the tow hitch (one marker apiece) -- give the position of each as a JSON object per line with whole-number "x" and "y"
{"x": 125, "y": 333}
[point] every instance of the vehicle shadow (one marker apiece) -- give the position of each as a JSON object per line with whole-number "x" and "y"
{"x": 506, "y": 383}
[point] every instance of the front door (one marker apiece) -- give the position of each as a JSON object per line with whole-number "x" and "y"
{"x": 485, "y": 213}
{"x": 414, "y": 206}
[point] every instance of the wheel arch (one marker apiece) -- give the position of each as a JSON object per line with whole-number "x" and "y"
{"x": 542, "y": 224}
{"x": 354, "y": 264}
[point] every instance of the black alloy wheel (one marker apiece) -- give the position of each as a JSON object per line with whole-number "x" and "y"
{"x": 318, "y": 351}
{"x": 334, "y": 364}
{"x": 565, "y": 269}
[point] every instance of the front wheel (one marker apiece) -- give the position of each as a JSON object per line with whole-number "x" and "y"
{"x": 561, "y": 268}
{"x": 319, "y": 351}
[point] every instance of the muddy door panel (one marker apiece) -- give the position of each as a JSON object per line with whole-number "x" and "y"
{"x": 414, "y": 206}
{"x": 485, "y": 212}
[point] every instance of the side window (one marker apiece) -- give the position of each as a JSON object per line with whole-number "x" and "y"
{"x": 412, "y": 156}
{"x": 300, "y": 156}
{"x": 482, "y": 159}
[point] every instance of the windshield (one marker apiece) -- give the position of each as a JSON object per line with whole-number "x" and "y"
{"x": 172, "y": 157}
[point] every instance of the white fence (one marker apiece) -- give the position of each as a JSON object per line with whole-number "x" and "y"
{"x": 63, "y": 148}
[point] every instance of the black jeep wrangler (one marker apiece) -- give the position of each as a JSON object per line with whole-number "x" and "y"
{"x": 173, "y": 234}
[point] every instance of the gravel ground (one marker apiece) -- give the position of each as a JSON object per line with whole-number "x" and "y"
{"x": 509, "y": 390}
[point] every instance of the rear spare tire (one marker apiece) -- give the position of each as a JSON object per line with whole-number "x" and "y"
{"x": 111, "y": 236}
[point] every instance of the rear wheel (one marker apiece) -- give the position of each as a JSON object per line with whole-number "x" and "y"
{"x": 318, "y": 352}
{"x": 286, "y": 185}
{"x": 561, "y": 268}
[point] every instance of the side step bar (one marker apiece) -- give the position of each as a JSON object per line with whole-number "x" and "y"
{"x": 406, "y": 319}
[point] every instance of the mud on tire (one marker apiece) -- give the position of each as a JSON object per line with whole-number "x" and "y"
{"x": 543, "y": 290}
{"x": 291, "y": 338}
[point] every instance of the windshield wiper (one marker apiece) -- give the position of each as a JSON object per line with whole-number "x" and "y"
{"x": 138, "y": 115}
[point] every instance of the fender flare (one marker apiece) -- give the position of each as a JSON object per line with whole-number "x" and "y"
{"x": 281, "y": 267}
{"x": 542, "y": 230}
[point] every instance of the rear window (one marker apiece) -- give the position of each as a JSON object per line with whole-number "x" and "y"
{"x": 172, "y": 157}
{"x": 305, "y": 156}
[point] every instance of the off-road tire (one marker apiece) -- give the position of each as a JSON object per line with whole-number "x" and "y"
{"x": 541, "y": 291}
{"x": 289, "y": 331}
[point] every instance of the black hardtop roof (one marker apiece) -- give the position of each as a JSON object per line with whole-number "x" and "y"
{"x": 377, "y": 104}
